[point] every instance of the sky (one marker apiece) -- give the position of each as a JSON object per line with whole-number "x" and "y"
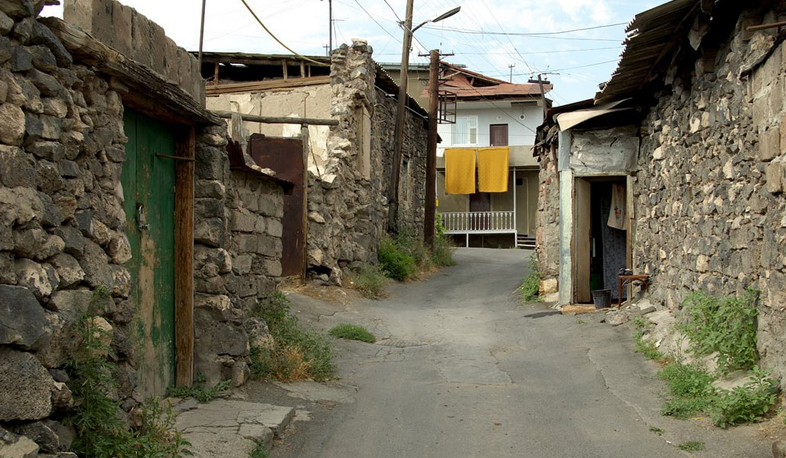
{"x": 494, "y": 37}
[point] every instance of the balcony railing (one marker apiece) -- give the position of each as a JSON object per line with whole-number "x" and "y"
{"x": 479, "y": 222}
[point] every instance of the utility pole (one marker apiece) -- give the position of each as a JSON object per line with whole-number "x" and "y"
{"x": 542, "y": 95}
{"x": 330, "y": 26}
{"x": 431, "y": 152}
{"x": 201, "y": 36}
{"x": 511, "y": 66}
{"x": 400, "y": 119}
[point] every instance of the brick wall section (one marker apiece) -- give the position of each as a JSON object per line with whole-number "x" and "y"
{"x": 709, "y": 192}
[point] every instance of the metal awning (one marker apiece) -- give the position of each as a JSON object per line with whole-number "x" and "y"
{"x": 574, "y": 118}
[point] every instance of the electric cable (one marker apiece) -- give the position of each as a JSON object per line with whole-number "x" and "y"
{"x": 279, "y": 41}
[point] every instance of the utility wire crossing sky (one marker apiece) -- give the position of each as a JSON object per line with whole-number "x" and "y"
{"x": 575, "y": 44}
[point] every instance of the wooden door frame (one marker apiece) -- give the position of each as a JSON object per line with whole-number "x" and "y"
{"x": 581, "y": 245}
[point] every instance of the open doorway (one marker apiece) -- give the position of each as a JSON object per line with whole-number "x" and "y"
{"x": 601, "y": 236}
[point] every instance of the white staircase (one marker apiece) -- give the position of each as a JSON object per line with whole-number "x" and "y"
{"x": 525, "y": 241}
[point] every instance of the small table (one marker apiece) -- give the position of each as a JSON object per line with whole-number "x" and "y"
{"x": 626, "y": 279}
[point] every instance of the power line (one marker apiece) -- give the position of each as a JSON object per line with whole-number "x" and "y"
{"x": 279, "y": 41}
{"x": 375, "y": 21}
{"x": 482, "y": 32}
{"x": 531, "y": 34}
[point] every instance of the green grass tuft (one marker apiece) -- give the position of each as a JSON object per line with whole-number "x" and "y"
{"x": 297, "y": 353}
{"x": 692, "y": 446}
{"x": 370, "y": 280}
{"x": 352, "y": 332}
{"x": 530, "y": 287}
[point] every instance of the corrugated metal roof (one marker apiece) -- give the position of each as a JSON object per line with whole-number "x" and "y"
{"x": 652, "y": 36}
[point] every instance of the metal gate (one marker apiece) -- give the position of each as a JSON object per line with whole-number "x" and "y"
{"x": 285, "y": 157}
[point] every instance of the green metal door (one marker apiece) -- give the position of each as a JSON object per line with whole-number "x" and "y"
{"x": 148, "y": 181}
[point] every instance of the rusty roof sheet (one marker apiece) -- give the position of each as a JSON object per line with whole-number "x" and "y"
{"x": 652, "y": 36}
{"x": 464, "y": 85}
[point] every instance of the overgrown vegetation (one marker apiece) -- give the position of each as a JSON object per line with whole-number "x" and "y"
{"x": 745, "y": 404}
{"x": 396, "y": 259}
{"x": 726, "y": 325}
{"x": 530, "y": 288}
{"x": 402, "y": 257}
{"x": 370, "y": 280}
{"x": 644, "y": 346}
{"x": 442, "y": 254}
{"x": 200, "y": 391}
{"x": 352, "y": 332}
{"x": 691, "y": 390}
{"x": 692, "y": 393}
{"x": 101, "y": 431}
{"x": 259, "y": 451}
{"x": 297, "y": 354}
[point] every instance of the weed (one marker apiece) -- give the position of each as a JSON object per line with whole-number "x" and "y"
{"x": 352, "y": 332}
{"x": 647, "y": 348}
{"x": 101, "y": 431}
{"x": 370, "y": 281}
{"x": 692, "y": 446}
{"x": 199, "y": 391}
{"x": 745, "y": 404}
{"x": 640, "y": 323}
{"x": 530, "y": 288}
{"x": 297, "y": 353}
{"x": 442, "y": 254}
{"x": 657, "y": 430}
{"x": 395, "y": 260}
{"x": 259, "y": 451}
{"x": 726, "y": 325}
{"x": 692, "y": 393}
{"x": 691, "y": 389}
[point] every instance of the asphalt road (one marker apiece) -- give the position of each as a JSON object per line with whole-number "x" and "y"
{"x": 463, "y": 370}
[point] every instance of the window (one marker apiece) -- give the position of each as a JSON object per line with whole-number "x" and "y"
{"x": 465, "y": 131}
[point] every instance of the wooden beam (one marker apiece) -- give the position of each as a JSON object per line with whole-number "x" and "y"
{"x": 284, "y": 69}
{"x": 184, "y": 257}
{"x": 215, "y": 73}
{"x": 302, "y": 69}
{"x": 252, "y": 86}
{"x": 278, "y": 120}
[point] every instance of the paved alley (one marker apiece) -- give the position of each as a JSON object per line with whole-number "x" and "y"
{"x": 461, "y": 369}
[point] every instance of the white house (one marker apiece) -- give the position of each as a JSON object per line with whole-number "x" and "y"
{"x": 488, "y": 112}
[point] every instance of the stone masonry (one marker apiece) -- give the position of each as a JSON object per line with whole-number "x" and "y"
{"x": 709, "y": 192}
{"x": 347, "y": 216}
{"x": 62, "y": 232}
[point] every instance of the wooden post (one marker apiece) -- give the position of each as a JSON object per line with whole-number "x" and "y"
{"x": 431, "y": 152}
{"x": 184, "y": 259}
{"x": 401, "y": 114}
{"x": 306, "y": 149}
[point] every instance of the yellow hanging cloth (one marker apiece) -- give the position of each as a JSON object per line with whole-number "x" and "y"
{"x": 460, "y": 170}
{"x": 493, "y": 169}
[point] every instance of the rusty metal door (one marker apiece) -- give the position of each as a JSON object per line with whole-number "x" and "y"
{"x": 285, "y": 157}
{"x": 148, "y": 181}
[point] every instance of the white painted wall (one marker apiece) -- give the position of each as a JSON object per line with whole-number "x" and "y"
{"x": 520, "y": 131}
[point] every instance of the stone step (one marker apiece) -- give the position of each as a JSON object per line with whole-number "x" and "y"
{"x": 231, "y": 428}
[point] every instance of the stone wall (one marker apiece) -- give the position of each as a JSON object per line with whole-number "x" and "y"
{"x": 237, "y": 257}
{"x": 547, "y": 220}
{"x": 347, "y": 203}
{"x": 62, "y": 235}
{"x": 709, "y": 192}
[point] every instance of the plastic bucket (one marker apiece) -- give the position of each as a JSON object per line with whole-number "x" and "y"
{"x": 601, "y": 298}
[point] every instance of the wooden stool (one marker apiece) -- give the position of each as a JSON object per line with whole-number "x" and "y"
{"x": 627, "y": 279}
